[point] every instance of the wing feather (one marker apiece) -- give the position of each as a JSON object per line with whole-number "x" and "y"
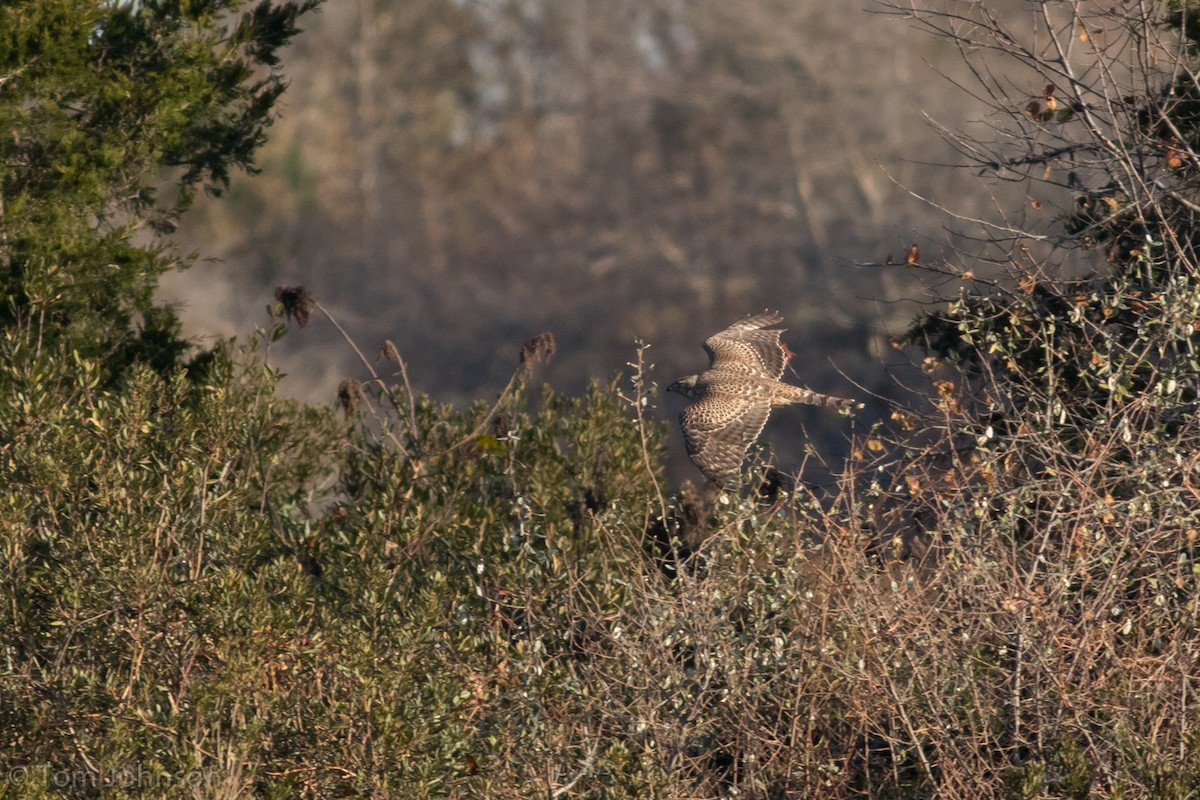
{"x": 718, "y": 429}
{"x": 749, "y": 346}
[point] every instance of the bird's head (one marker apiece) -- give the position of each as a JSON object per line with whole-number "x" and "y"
{"x": 685, "y": 386}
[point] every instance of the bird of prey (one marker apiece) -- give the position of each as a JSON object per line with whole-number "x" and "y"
{"x": 731, "y": 400}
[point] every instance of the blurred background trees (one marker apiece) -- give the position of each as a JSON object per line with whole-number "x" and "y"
{"x": 457, "y": 176}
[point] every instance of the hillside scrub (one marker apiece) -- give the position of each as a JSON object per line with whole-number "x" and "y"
{"x": 209, "y": 590}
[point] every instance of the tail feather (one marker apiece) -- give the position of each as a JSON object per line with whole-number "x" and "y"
{"x": 787, "y": 394}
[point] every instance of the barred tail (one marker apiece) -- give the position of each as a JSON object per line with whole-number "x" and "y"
{"x": 787, "y": 394}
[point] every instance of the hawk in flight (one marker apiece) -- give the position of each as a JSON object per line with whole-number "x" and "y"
{"x": 731, "y": 400}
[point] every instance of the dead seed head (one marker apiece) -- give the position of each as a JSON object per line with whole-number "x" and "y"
{"x": 350, "y": 396}
{"x": 538, "y": 350}
{"x": 297, "y": 303}
{"x": 692, "y": 504}
{"x": 389, "y": 352}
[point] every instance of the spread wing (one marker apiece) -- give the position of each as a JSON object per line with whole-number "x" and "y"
{"x": 749, "y": 347}
{"x": 718, "y": 429}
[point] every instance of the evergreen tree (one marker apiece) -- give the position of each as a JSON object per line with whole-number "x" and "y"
{"x": 113, "y": 115}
